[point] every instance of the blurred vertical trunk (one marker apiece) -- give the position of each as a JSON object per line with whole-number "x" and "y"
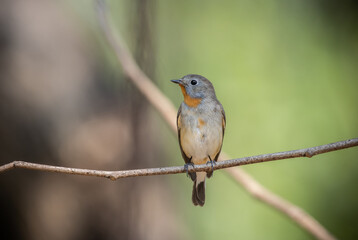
{"x": 57, "y": 107}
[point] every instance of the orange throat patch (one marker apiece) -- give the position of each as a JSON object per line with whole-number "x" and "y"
{"x": 191, "y": 102}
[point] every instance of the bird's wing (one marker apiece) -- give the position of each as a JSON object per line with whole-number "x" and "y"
{"x": 223, "y": 120}
{"x": 223, "y": 128}
{"x": 185, "y": 157}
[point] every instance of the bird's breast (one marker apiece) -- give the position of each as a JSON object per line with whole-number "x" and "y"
{"x": 201, "y": 136}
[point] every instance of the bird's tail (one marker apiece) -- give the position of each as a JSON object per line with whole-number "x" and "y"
{"x": 198, "y": 195}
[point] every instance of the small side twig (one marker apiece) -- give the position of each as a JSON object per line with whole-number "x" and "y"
{"x": 294, "y": 212}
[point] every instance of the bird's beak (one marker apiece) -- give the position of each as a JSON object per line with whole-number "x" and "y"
{"x": 177, "y": 81}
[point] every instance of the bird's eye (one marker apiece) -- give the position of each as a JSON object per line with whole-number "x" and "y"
{"x": 193, "y": 82}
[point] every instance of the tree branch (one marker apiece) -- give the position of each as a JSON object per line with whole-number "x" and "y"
{"x": 297, "y": 214}
{"x": 156, "y": 98}
{"x": 114, "y": 175}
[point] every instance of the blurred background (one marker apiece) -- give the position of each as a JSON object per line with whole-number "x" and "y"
{"x": 285, "y": 72}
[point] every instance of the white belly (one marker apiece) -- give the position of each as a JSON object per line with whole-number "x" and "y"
{"x": 199, "y": 143}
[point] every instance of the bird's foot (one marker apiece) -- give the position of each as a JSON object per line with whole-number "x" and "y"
{"x": 193, "y": 174}
{"x": 212, "y": 163}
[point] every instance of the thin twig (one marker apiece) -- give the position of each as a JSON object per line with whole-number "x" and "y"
{"x": 132, "y": 70}
{"x": 114, "y": 175}
{"x": 297, "y": 214}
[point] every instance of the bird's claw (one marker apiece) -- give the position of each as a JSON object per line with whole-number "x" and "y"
{"x": 212, "y": 163}
{"x": 186, "y": 167}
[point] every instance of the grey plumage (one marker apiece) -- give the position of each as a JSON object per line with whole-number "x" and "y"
{"x": 201, "y": 125}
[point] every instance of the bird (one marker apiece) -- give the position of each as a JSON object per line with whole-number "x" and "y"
{"x": 201, "y": 126}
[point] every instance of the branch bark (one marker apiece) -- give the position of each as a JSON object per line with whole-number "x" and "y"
{"x": 114, "y": 175}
